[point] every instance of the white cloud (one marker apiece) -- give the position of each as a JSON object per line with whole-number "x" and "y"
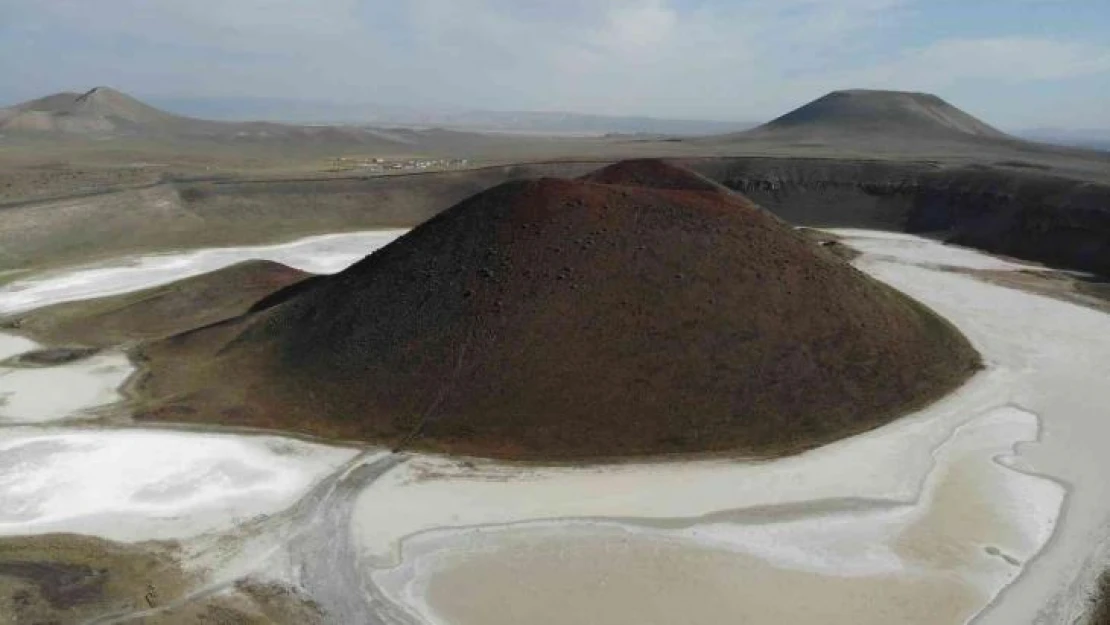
{"x": 1003, "y": 59}
{"x": 634, "y": 26}
{"x": 235, "y": 24}
{"x": 739, "y": 59}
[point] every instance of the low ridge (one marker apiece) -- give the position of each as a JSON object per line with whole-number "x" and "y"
{"x": 157, "y": 312}
{"x": 653, "y": 174}
{"x": 560, "y": 319}
{"x": 55, "y": 103}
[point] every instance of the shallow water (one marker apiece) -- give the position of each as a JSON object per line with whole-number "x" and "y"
{"x": 69, "y": 391}
{"x": 962, "y": 539}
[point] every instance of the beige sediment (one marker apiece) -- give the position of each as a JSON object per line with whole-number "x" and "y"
{"x": 623, "y": 578}
{"x": 938, "y": 559}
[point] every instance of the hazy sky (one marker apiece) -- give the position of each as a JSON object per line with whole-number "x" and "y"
{"x": 1017, "y": 63}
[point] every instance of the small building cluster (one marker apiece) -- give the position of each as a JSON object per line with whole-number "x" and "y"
{"x": 384, "y": 165}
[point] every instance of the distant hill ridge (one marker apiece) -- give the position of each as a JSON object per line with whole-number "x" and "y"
{"x": 104, "y": 112}
{"x": 855, "y": 114}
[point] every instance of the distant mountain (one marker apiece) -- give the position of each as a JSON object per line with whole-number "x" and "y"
{"x": 106, "y": 113}
{"x": 100, "y": 111}
{"x": 889, "y": 114}
{"x": 576, "y": 123}
{"x": 1097, "y": 139}
{"x": 282, "y": 110}
{"x": 538, "y": 122}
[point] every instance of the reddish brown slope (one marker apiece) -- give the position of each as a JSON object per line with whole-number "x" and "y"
{"x": 653, "y": 174}
{"x": 567, "y": 319}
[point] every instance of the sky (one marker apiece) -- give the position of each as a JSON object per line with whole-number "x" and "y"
{"x": 1015, "y": 63}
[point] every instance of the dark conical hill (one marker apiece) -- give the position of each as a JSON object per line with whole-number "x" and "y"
{"x": 555, "y": 319}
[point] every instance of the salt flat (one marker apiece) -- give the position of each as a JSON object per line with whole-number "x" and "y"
{"x": 68, "y": 391}
{"x": 911, "y": 249}
{"x": 318, "y": 254}
{"x": 133, "y": 485}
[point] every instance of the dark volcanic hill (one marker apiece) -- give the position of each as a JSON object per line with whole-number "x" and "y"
{"x": 887, "y": 113}
{"x": 555, "y": 319}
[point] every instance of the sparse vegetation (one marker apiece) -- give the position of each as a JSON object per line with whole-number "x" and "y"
{"x": 67, "y": 578}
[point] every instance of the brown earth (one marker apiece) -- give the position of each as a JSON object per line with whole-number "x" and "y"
{"x": 66, "y": 578}
{"x": 158, "y": 312}
{"x": 559, "y": 319}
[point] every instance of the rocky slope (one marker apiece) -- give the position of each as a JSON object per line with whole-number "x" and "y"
{"x": 1015, "y": 208}
{"x": 1023, "y": 204}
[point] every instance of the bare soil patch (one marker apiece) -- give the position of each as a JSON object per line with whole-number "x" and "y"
{"x": 66, "y": 578}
